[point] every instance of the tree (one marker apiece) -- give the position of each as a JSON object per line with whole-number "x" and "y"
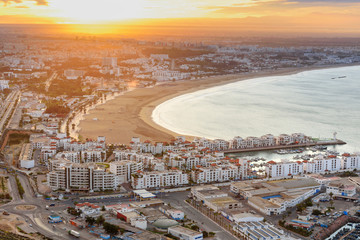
{"x": 195, "y": 228}
{"x": 110, "y": 228}
{"x": 316, "y": 212}
{"x": 331, "y": 195}
{"x": 103, "y": 208}
{"x": 331, "y": 203}
{"x": 90, "y": 220}
{"x": 100, "y": 220}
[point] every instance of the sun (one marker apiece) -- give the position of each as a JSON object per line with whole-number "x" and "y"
{"x": 95, "y": 11}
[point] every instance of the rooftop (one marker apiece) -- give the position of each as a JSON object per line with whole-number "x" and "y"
{"x": 186, "y": 231}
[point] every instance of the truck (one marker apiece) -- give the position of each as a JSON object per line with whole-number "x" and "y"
{"x": 74, "y": 233}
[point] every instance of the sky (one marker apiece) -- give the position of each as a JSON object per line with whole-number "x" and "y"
{"x": 311, "y": 15}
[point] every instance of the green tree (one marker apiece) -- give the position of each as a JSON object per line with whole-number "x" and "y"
{"x": 110, "y": 228}
{"x": 90, "y": 220}
{"x": 316, "y": 212}
{"x": 100, "y": 220}
{"x": 195, "y": 227}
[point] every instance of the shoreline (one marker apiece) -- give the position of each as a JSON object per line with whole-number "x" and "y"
{"x": 130, "y": 114}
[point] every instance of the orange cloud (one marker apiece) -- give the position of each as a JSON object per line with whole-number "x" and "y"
{"x": 38, "y": 2}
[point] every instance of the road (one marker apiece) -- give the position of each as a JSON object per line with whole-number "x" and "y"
{"x": 38, "y": 216}
{"x": 7, "y": 107}
{"x": 177, "y": 200}
{"x": 49, "y": 80}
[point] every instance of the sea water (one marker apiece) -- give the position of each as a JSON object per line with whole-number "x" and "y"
{"x": 317, "y": 103}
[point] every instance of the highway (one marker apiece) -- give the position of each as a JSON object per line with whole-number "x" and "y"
{"x": 49, "y": 80}
{"x": 7, "y": 107}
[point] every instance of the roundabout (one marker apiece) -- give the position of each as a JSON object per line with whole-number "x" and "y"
{"x": 24, "y": 207}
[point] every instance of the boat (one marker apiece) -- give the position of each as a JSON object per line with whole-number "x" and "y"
{"x": 281, "y": 151}
{"x": 342, "y": 77}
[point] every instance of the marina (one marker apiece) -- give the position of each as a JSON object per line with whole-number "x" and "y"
{"x": 282, "y": 147}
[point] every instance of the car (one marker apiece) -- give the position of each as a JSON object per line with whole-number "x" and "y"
{"x": 30, "y": 225}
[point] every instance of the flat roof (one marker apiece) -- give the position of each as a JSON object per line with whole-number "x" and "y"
{"x": 223, "y": 200}
{"x": 184, "y": 230}
{"x": 144, "y": 193}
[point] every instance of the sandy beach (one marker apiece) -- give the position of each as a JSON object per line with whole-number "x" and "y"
{"x": 129, "y": 115}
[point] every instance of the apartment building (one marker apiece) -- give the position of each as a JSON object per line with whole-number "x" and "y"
{"x": 323, "y": 164}
{"x": 219, "y": 173}
{"x": 125, "y": 168}
{"x": 285, "y": 168}
{"x": 80, "y": 176}
{"x": 93, "y": 155}
{"x": 72, "y": 156}
{"x": 155, "y": 179}
{"x": 350, "y": 161}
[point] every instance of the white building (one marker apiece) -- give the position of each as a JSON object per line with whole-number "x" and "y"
{"x": 109, "y": 62}
{"x": 125, "y": 168}
{"x": 93, "y": 155}
{"x": 25, "y": 157}
{"x": 88, "y": 209}
{"x": 73, "y": 74}
{"x": 350, "y": 161}
{"x": 76, "y": 176}
{"x": 72, "y": 156}
{"x": 323, "y": 164}
{"x": 154, "y": 179}
{"x": 185, "y": 233}
{"x": 341, "y": 187}
{"x": 220, "y": 173}
{"x": 274, "y": 197}
{"x": 4, "y": 84}
{"x": 284, "y": 168}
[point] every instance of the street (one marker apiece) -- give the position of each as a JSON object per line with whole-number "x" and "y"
{"x": 177, "y": 200}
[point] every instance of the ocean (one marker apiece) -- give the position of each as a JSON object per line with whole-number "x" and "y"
{"x": 317, "y": 103}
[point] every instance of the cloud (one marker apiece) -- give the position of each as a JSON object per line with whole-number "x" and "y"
{"x": 38, "y": 2}
{"x": 279, "y": 7}
{"x": 41, "y": 2}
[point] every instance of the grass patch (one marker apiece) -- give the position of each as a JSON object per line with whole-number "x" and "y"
{"x": 106, "y": 165}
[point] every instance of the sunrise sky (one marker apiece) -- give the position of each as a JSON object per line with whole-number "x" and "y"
{"x": 318, "y": 15}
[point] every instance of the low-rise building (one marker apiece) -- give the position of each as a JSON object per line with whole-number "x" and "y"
{"x": 273, "y": 197}
{"x": 88, "y": 209}
{"x": 341, "y": 187}
{"x": 185, "y": 233}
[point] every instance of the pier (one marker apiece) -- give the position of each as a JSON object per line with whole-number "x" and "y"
{"x": 277, "y": 147}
